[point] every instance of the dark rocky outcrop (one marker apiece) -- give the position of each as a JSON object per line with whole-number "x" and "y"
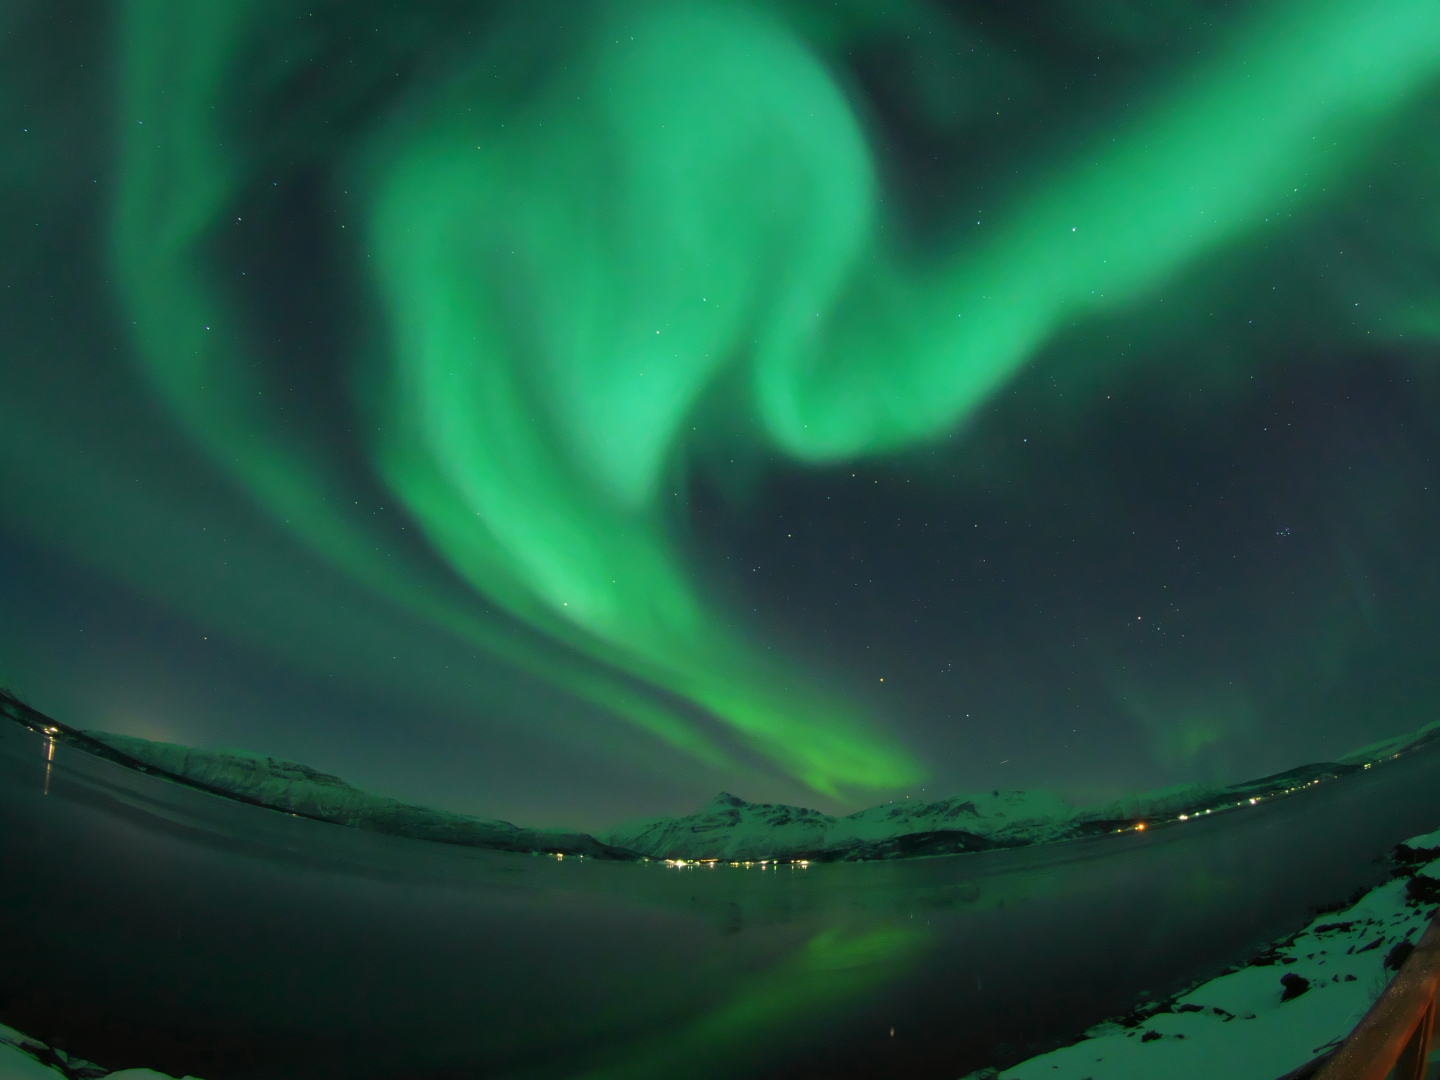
{"x": 1294, "y": 985}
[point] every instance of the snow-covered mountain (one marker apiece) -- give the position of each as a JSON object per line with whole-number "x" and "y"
{"x": 299, "y": 789}
{"x": 1286, "y": 1008}
{"x": 726, "y": 828}
{"x": 729, "y": 828}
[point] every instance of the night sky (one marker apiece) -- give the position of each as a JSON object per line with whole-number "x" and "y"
{"x": 564, "y": 411}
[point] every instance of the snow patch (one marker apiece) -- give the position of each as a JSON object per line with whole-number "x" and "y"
{"x": 1294, "y": 1002}
{"x": 26, "y": 1058}
{"x": 1425, "y": 842}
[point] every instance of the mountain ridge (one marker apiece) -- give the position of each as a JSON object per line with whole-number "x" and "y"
{"x": 730, "y": 829}
{"x": 727, "y": 828}
{"x": 292, "y": 788}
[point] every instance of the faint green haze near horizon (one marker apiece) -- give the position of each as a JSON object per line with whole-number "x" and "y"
{"x": 574, "y": 236}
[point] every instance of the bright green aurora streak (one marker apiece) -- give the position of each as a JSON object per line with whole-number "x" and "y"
{"x": 569, "y": 254}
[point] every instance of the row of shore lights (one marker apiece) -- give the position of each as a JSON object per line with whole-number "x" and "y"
{"x": 1187, "y": 817}
{"x": 1140, "y": 827}
{"x": 764, "y": 864}
{"x": 677, "y": 864}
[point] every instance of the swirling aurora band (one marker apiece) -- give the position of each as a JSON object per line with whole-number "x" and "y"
{"x": 569, "y": 255}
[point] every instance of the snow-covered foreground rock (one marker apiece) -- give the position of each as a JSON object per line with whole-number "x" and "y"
{"x": 1292, "y": 1003}
{"x": 24, "y": 1058}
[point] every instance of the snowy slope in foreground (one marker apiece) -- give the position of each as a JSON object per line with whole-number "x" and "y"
{"x": 24, "y": 1058}
{"x": 1293, "y": 1003}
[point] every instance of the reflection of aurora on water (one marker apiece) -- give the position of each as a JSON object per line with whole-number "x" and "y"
{"x": 353, "y": 953}
{"x": 577, "y": 243}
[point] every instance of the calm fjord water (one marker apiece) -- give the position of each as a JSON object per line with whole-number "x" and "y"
{"x": 144, "y": 923}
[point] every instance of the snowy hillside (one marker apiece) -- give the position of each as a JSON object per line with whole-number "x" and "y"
{"x": 24, "y": 1058}
{"x": 299, "y": 789}
{"x": 1294, "y": 1002}
{"x": 729, "y": 828}
{"x": 1397, "y": 744}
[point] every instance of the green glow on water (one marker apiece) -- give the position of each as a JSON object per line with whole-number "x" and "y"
{"x": 836, "y": 967}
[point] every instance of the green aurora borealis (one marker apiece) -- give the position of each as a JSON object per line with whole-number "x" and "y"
{"x": 578, "y": 254}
